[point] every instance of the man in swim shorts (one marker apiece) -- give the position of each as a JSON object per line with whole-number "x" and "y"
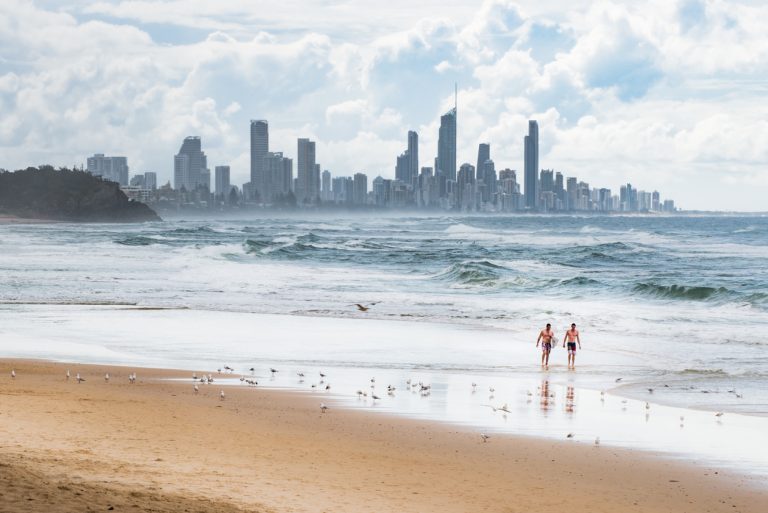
{"x": 545, "y": 337}
{"x": 571, "y": 338}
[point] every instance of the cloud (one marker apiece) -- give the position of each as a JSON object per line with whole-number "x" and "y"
{"x": 666, "y": 94}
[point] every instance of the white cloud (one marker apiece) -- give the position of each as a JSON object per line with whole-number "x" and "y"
{"x": 666, "y": 94}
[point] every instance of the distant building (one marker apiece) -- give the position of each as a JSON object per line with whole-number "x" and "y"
{"x": 223, "y": 185}
{"x": 326, "y": 194}
{"x": 446, "y": 146}
{"x": 259, "y": 149}
{"x": 413, "y": 157}
{"x": 114, "y": 169}
{"x": 360, "y": 189}
{"x": 150, "y": 180}
{"x": 531, "y": 167}
{"x": 305, "y": 169}
{"x": 190, "y": 166}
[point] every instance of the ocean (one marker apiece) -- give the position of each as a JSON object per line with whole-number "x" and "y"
{"x": 671, "y": 309}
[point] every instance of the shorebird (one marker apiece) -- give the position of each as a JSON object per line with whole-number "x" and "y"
{"x": 242, "y": 378}
{"x": 739, "y": 396}
{"x": 132, "y": 378}
{"x": 569, "y": 435}
{"x": 197, "y": 389}
{"x": 647, "y": 406}
{"x": 221, "y": 395}
{"x": 13, "y": 374}
{"x": 106, "y": 377}
{"x": 359, "y": 393}
{"x": 252, "y": 369}
{"x": 719, "y": 414}
{"x": 484, "y": 437}
{"x": 618, "y": 379}
{"x": 474, "y": 386}
{"x": 218, "y": 370}
{"x": 362, "y": 308}
{"x": 505, "y": 408}
{"x": 313, "y": 385}
{"x": 375, "y": 397}
{"x": 597, "y": 441}
{"x": 79, "y": 379}
{"x": 67, "y": 374}
{"x": 300, "y": 374}
{"x": 228, "y": 368}
{"x": 328, "y": 387}
{"x": 491, "y": 389}
{"x": 194, "y": 375}
{"x": 322, "y": 375}
{"x": 273, "y": 371}
{"x": 650, "y": 390}
{"x": 323, "y": 408}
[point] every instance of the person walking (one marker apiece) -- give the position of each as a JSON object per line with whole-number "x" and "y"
{"x": 545, "y": 337}
{"x": 572, "y": 338}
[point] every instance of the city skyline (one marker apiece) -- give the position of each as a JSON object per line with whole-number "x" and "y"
{"x": 667, "y": 91}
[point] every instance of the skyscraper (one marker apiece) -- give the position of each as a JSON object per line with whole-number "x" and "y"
{"x": 305, "y": 167}
{"x": 259, "y": 149}
{"x": 114, "y": 169}
{"x": 189, "y": 165}
{"x": 413, "y": 157}
{"x": 531, "y": 166}
{"x": 150, "y": 180}
{"x": 222, "y": 182}
{"x": 446, "y": 146}
{"x": 483, "y": 154}
{"x": 325, "y": 191}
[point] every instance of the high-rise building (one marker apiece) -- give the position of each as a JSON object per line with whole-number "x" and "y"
{"x": 532, "y": 166}
{"x": 465, "y": 187}
{"x": 360, "y": 189}
{"x": 325, "y": 192}
{"x": 150, "y": 180}
{"x": 305, "y": 168}
{"x": 259, "y": 149}
{"x": 483, "y": 154}
{"x": 413, "y": 157}
{"x": 488, "y": 177}
{"x": 222, "y": 182}
{"x": 190, "y": 165}
{"x": 446, "y": 146}
{"x": 114, "y": 169}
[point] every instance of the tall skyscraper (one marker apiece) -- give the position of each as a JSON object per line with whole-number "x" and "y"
{"x": 190, "y": 165}
{"x": 114, "y": 169}
{"x": 413, "y": 156}
{"x": 325, "y": 191}
{"x": 532, "y": 166}
{"x": 446, "y": 146}
{"x": 305, "y": 167}
{"x": 360, "y": 189}
{"x": 483, "y": 154}
{"x": 259, "y": 149}
{"x": 222, "y": 182}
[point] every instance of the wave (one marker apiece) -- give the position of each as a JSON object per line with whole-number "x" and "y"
{"x": 696, "y": 293}
{"x": 481, "y": 272}
{"x": 139, "y": 240}
{"x": 199, "y": 229}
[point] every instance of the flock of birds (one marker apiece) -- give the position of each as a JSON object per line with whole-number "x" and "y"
{"x": 423, "y": 389}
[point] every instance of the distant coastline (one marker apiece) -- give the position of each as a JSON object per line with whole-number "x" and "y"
{"x": 45, "y": 194}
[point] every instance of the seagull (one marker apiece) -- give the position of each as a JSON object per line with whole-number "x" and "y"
{"x": 197, "y": 389}
{"x": 474, "y": 386}
{"x": 362, "y": 308}
{"x": 313, "y": 385}
{"x": 650, "y": 390}
{"x": 67, "y": 374}
{"x": 323, "y": 408}
{"x": 327, "y": 387}
{"x": 491, "y": 389}
{"x": 228, "y": 368}
{"x": 194, "y": 375}
{"x": 79, "y": 379}
{"x": 321, "y": 375}
{"x": 273, "y": 371}
{"x": 647, "y": 406}
{"x": 375, "y": 397}
{"x": 218, "y": 370}
{"x": 719, "y": 414}
{"x": 13, "y": 374}
{"x": 682, "y": 419}
{"x": 373, "y": 380}
{"x": 618, "y": 379}
{"x": 505, "y": 408}
{"x": 359, "y": 393}
{"x": 106, "y": 377}
{"x": 739, "y": 396}
{"x": 242, "y": 378}
{"x": 300, "y": 374}
{"x": 597, "y": 441}
{"x": 569, "y": 435}
{"x": 252, "y": 369}
{"x": 484, "y": 437}
{"x": 221, "y": 395}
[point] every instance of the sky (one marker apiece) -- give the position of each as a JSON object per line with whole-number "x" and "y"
{"x": 669, "y": 95}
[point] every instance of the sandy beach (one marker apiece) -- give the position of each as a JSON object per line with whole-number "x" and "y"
{"x": 157, "y": 446}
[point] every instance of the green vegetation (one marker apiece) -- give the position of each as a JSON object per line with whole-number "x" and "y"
{"x": 67, "y": 195}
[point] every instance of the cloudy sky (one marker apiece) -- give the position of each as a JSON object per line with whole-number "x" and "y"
{"x": 667, "y": 94}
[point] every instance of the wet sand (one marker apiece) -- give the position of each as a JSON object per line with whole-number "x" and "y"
{"x": 156, "y": 446}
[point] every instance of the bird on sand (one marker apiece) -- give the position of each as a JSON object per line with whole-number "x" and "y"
{"x": 221, "y": 395}
{"x": 569, "y": 435}
{"x": 484, "y": 437}
{"x": 597, "y": 441}
{"x": 68, "y": 374}
{"x": 79, "y": 379}
{"x": 375, "y": 397}
{"x": 273, "y": 371}
{"x": 197, "y": 389}
{"x": 106, "y": 377}
{"x": 13, "y": 373}
{"x": 323, "y": 408}
{"x": 618, "y": 379}
{"x": 719, "y": 414}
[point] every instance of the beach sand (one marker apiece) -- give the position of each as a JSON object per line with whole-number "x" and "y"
{"x": 156, "y": 446}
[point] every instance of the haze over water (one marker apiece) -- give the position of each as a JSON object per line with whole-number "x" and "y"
{"x": 673, "y": 303}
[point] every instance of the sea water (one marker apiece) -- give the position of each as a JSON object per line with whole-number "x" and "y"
{"x": 677, "y": 304}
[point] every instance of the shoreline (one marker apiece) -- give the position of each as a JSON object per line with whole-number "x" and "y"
{"x": 273, "y": 450}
